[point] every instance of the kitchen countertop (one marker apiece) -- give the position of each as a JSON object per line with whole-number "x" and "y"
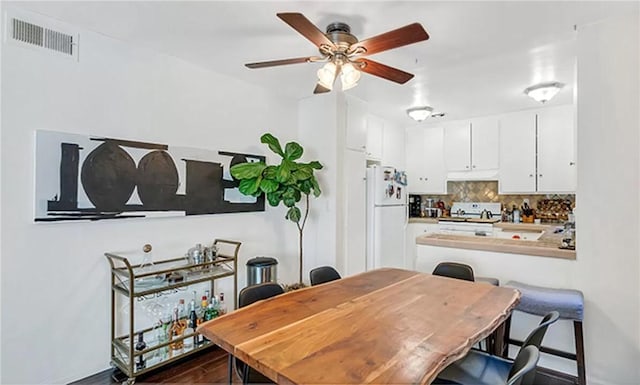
{"x": 510, "y": 226}
{"x": 423, "y": 220}
{"x": 545, "y": 246}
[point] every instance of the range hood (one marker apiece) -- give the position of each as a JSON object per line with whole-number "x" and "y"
{"x": 473, "y": 175}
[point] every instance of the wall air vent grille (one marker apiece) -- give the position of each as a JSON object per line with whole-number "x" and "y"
{"x": 42, "y": 37}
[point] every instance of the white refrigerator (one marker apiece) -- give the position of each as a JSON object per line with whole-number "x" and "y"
{"x": 387, "y": 217}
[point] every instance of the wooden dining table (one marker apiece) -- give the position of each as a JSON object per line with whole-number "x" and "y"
{"x": 386, "y": 326}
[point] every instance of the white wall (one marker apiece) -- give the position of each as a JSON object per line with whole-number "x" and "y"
{"x": 54, "y": 278}
{"x": 608, "y": 171}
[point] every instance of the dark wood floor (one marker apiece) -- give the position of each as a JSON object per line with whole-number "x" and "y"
{"x": 207, "y": 367}
{"x": 210, "y": 367}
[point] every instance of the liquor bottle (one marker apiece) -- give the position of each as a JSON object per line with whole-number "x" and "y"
{"x": 222, "y": 307}
{"x": 203, "y": 306}
{"x": 140, "y": 346}
{"x": 193, "y": 322}
{"x": 175, "y": 332}
{"x": 211, "y": 312}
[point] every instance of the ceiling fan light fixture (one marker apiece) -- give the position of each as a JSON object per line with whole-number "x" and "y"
{"x": 543, "y": 92}
{"x": 349, "y": 76}
{"x": 326, "y": 75}
{"x": 419, "y": 113}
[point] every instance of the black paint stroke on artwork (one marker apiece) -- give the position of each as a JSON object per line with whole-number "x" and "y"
{"x": 109, "y": 176}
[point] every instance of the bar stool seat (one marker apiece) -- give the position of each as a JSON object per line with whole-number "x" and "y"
{"x": 539, "y": 300}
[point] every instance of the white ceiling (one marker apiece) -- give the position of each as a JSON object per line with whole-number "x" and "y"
{"x": 478, "y": 60}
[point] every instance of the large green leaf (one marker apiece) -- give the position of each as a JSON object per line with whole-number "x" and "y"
{"x": 283, "y": 171}
{"x": 293, "y": 214}
{"x": 270, "y": 172}
{"x": 315, "y": 164}
{"x": 306, "y": 186}
{"x": 247, "y": 170}
{"x": 303, "y": 173}
{"x": 269, "y": 185}
{"x": 293, "y": 151}
{"x": 274, "y": 198}
{"x": 250, "y": 186}
{"x": 316, "y": 187}
{"x": 273, "y": 143}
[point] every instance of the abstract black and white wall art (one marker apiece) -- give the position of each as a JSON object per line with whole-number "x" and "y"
{"x": 82, "y": 177}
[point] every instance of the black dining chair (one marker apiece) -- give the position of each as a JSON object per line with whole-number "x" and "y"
{"x": 479, "y": 368}
{"x": 323, "y": 274}
{"x": 454, "y": 270}
{"x": 247, "y": 296}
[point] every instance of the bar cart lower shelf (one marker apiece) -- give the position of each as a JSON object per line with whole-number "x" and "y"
{"x": 140, "y": 282}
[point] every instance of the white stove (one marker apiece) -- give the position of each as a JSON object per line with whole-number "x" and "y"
{"x": 466, "y": 219}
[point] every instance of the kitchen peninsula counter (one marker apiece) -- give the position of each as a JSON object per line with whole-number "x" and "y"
{"x": 546, "y": 246}
{"x": 423, "y": 220}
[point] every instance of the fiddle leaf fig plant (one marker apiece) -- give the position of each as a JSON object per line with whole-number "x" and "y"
{"x": 287, "y": 183}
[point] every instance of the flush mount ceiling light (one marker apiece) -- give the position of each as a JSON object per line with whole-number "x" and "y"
{"x": 419, "y": 113}
{"x": 544, "y": 91}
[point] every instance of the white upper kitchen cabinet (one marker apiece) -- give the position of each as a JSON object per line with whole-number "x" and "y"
{"x": 556, "y": 156}
{"x": 355, "y": 212}
{"x": 393, "y": 146}
{"x": 537, "y": 151}
{"x": 457, "y": 145}
{"x": 472, "y": 145}
{"x": 425, "y": 160}
{"x": 356, "y": 124}
{"x": 485, "y": 143}
{"x": 517, "y": 153}
{"x": 375, "y": 130}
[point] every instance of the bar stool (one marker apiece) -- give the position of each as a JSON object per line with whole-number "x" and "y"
{"x": 540, "y": 301}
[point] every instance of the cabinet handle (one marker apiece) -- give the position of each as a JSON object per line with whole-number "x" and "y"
{"x": 530, "y": 175}
{"x": 572, "y": 163}
{"x": 466, "y": 166}
{"x": 540, "y": 175}
{"x": 425, "y": 178}
{"x": 420, "y": 178}
{"x": 474, "y": 166}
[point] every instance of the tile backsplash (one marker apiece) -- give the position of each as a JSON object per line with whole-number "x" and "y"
{"x": 549, "y": 207}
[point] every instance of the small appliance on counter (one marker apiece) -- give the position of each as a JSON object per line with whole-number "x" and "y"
{"x": 471, "y": 218}
{"x": 415, "y": 206}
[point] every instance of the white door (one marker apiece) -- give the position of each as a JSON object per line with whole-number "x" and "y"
{"x": 355, "y": 212}
{"x": 389, "y": 237}
{"x": 393, "y": 147}
{"x": 556, "y": 160}
{"x": 425, "y": 160}
{"x": 518, "y": 153}
{"x": 457, "y": 146}
{"x": 485, "y": 140}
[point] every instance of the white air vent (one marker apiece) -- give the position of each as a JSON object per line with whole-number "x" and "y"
{"x": 37, "y": 32}
{"x": 42, "y": 37}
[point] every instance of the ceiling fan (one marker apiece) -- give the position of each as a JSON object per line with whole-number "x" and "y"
{"x": 344, "y": 55}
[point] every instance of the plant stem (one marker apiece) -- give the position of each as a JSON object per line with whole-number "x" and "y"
{"x": 300, "y": 229}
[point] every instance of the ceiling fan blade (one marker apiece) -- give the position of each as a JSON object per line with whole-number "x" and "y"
{"x": 384, "y": 71}
{"x": 408, "y": 34}
{"x": 320, "y": 89}
{"x": 281, "y": 62}
{"x": 306, "y": 28}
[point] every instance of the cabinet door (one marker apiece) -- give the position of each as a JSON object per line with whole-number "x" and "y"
{"x": 414, "y": 230}
{"x": 356, "y": 130}
{"x": 457, "y": 146}
{"x": 485, "y": 142}
{"x": 393, "y": 146}
{"x": 355, "y": 212}
{"x": 425, "y": 160}
{"x": 518, "y": 153}
{"x": 556, "y": 160}
{"x": 375, "y": 127}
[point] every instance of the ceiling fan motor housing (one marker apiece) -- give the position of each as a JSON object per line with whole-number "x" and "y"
{"x": 340, "y": 35}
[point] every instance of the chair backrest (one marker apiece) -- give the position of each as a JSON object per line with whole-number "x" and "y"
{"x": 524, "y": 365}
{"x": 323, "y": 274}
{"x": 537, "y": 335}
{"x": 247, "y": 296}
{"x": 454, "y": 270}
{"x": 254, "y": 293}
